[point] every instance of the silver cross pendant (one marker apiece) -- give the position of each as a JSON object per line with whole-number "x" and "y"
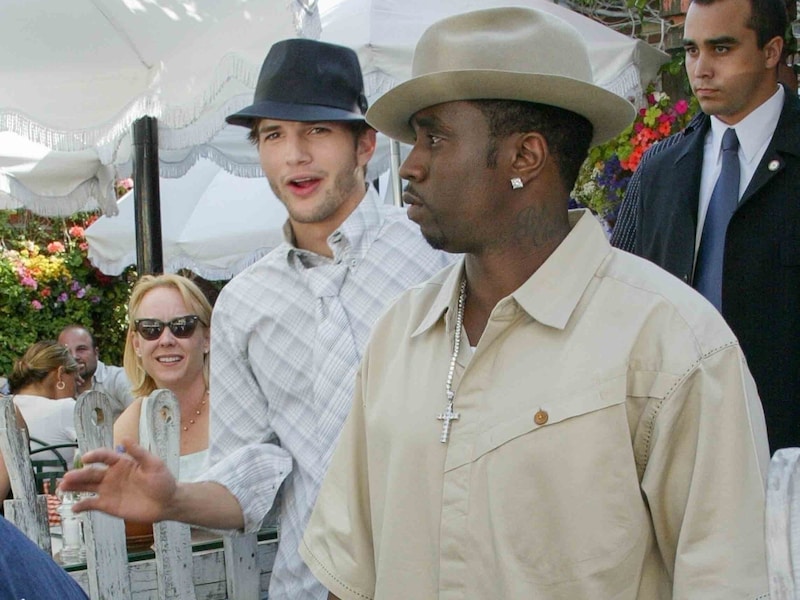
{"x": 446, "y": 417}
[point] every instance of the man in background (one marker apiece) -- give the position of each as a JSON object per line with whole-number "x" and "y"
{"x": 94, "y": 374}
{"x": 741, "y": 250}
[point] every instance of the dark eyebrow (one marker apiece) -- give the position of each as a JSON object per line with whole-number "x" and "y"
{"x": 264, "y": 128}
{"x": 724, "y": 40}
{"x": 427, "y": 122}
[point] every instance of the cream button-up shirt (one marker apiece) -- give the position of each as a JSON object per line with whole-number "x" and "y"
{"x": 610, "y": 444}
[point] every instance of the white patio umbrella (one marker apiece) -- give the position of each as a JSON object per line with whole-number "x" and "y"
{"x": 212, "y": 223}
{"x": 384, "y": 33}
{"x": 76, "y": 74}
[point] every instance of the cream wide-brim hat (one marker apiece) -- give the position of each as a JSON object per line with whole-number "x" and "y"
{"x": 501, "y": 54}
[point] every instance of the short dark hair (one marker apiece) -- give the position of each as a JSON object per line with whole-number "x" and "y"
{"x": 568, "y": 134}
{"x": 768, "y": 18}
{"x": 73, "y": 326}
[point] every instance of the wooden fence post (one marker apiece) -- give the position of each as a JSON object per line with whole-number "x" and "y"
{"x": 104, "y": 535}
{"x": 172, "y": 539}
{"x": 27, "y": 511}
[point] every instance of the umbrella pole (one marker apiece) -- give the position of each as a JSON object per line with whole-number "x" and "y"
{"x": 146, "y": 197}
{"x": 394, "y": 173}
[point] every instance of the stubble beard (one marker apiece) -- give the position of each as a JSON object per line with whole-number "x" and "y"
{"x": 344, "y": 186}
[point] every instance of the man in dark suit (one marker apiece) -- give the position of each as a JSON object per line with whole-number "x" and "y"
{"x": 733, "y": 48}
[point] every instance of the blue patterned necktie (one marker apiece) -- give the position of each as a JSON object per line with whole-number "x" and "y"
{"x": 724, "y": 199}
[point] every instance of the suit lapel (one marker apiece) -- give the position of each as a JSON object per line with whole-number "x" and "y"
{"x": 785, "y": 140}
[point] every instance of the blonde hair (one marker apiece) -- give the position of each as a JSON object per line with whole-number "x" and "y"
{"x": 142, "y": 384}
{"x": 39, "y": 360}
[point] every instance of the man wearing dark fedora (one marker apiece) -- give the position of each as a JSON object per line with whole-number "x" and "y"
{"x": 549, "y": 417}
{"x": 288, "y": 333}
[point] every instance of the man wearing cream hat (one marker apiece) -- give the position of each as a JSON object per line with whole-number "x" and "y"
{"x": 550, "y": 417}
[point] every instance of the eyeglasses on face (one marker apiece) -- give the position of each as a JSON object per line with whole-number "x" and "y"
{"x": 181, "y": 327}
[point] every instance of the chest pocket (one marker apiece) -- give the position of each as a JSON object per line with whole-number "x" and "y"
{"x": 560, "y": 483}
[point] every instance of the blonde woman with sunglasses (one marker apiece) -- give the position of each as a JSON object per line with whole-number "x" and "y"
{"x": 167, "y": 347}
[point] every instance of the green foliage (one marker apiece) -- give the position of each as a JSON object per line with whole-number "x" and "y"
{"x": 47, "y": 282}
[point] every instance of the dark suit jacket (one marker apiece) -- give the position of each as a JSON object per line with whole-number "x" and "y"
{"x": 761, "y": 273}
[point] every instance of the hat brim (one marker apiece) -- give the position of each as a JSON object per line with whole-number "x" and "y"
{"x": 290, "y": 112}
{"x": 608, "y": 113}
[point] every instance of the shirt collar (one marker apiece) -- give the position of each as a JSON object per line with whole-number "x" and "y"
{"x": 552, "y": 293}
{"x": 754, "y": 131}
{"x": 99, "y": 372}
{"x": 349, "y": 241}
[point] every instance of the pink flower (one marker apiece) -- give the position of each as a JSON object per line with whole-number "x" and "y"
{"x": 76, "y": 231}
{"x": 80, "y": 293}
{"x": 36, "y": 305}
{"x": 681, "y": 107}
{"x": 62, "y": 297}
{"x": 55, "y": 247}
{"x": 29, "y": 281}
{"x": 84, "y": 246}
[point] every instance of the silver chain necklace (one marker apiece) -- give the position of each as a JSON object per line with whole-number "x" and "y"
{"x": 448, "y": 415}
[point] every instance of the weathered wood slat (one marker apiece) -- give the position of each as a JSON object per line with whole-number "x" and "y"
{"x": 241, "y": 567}
{"x": 783, "y": 524}
{"x": 26, "y": 511}
{"x": 172, "y": 539}
{"x": 208, "y": 574}
{"x": 104, "y": 535}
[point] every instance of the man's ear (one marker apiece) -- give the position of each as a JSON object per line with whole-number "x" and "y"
{"x": 531, "y": 154}
{"x": 773, "y": 51}
{"x": 365, "y": 146}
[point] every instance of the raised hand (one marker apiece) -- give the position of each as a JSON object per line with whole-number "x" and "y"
{"x": 128, "y": 482}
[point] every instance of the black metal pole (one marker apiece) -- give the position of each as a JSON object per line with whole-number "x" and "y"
{"x": 146, "y": 197}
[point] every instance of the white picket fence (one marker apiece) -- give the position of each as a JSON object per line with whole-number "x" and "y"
{"x": 238, "y": 571}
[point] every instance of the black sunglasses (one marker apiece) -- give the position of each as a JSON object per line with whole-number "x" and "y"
{"x": 181, "y": 327}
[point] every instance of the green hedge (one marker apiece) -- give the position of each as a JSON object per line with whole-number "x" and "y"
{"x": 46, "y": 282}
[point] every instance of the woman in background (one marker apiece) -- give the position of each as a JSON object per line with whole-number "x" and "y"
{"x": 43, "y": 383}
{"x": 168, "y": 348}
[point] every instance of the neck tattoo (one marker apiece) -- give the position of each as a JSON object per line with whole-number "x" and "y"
{"x": 197, "y": 412}
{"x": 448, "y": 415}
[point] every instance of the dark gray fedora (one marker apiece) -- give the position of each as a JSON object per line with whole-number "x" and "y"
{"x": 306, "y": 80}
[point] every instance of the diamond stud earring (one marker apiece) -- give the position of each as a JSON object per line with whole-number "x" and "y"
{"x": 516, "y": 183}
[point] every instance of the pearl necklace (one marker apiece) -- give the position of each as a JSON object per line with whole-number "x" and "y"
{"x": 196, "y": 412}
{"x": 448, "y": 415}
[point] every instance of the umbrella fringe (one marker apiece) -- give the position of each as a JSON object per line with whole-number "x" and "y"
{"x": 175, "y": 264}
{"x": 87, "y": 196}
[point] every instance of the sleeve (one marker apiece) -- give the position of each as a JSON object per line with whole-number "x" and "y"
{"x": 623, "y": 236}
{"x": 243, "y": 448}
{"x": 705, "y": 481}
{"x": 338, "y": 545}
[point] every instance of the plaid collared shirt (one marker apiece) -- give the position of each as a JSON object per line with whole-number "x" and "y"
{"x": 266, "y": 431}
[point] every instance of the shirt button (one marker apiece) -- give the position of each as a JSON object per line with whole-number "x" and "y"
{"x": 540, "y": 418}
